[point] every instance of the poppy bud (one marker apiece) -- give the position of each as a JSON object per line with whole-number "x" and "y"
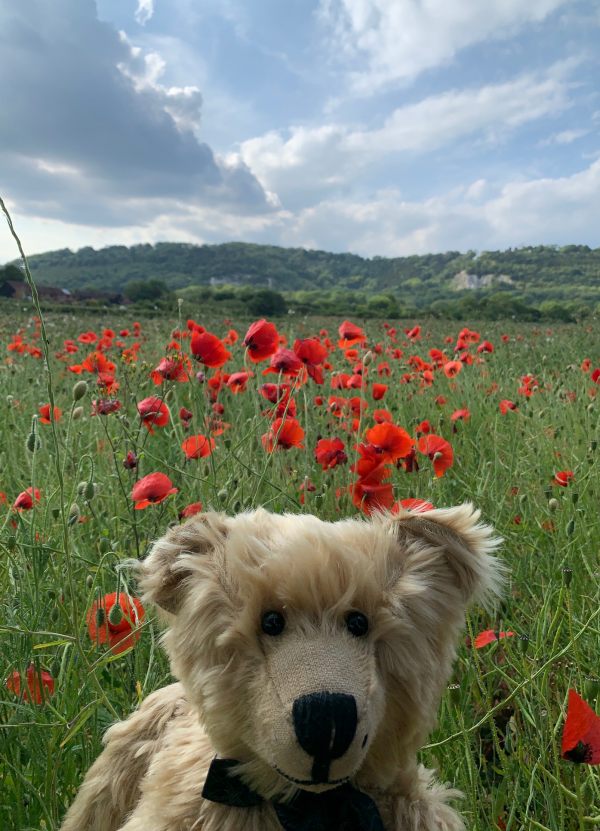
{"x": 567, "y": 576}
{"x": 115, "y": 616}
{"x": 222, "y": 494}
{"x": 570, "y": 527}
{"x": 89, "y": 491}
{"x": 553, "y": 504}
{"x": 524, "y": 642}
{"x": 79, "y": 390}
{"x": 368, "y": 358}
{"x": 74, "y": 514}
{"x": 168, "y": 395}
{"x": 100, "y": 616}
{"x": 54, "y": 614}
{"x": 104, "y": 546}
{"x": 33, "y": 442}
{"x": 77, "y": 413}
{"x": 593, "y": 445}
{"x": 523, "y": 498}
{"x": 574, "y": 498}
{"x": 89, "y": 581}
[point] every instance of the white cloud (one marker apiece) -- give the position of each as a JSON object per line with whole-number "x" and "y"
{"x": 478, "y": 216}
{"x": 541, "y": 211}
{"x": 144, "y": 11}
{"x": 387, "y": 41}
{"x": 313, "y": 160}
{"x": 564, "y": 137}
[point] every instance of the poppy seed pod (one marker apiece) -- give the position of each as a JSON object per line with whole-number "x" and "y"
{"x": 89, "y": 581}
{"x": 79, "y": 390}
{"x": 567, "y": 576}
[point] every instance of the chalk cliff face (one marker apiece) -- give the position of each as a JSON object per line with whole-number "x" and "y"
{"x": 463, "y": 280}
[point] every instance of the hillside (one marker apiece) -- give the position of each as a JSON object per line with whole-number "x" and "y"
{"x": 568, "y": 276}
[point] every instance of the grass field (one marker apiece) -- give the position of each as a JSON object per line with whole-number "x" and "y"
{"x": 500, "y": 725}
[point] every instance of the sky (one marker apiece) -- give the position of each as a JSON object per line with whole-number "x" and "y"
{"x": 380, "y": 127}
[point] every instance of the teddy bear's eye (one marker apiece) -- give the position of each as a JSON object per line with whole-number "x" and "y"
{"x": 272, "y": 623}
{"x": 357, "y": 624}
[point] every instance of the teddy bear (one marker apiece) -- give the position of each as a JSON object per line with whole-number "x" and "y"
{"x": 311, "y": 658}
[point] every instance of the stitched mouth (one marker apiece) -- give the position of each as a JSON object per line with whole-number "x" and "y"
{"x": 332, "y": 782}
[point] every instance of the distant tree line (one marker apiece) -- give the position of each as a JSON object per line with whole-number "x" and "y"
{"x": 530, "y": 283}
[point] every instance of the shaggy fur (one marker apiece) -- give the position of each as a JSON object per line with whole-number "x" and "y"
{"x": 213, "y": 578}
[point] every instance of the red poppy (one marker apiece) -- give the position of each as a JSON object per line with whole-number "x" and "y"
{"x": 130, "y": 462}
{"x": 275, "y": 393}
{"x": 489, "y": 636}
{"x": 452, "y": 368}
{"x": 170, "y": 369}
{"x": 414, "y": 333}
{"x": 284, "y": 362}
{"x": 185, "y": 416}
{"x": 98, "y": 362}
{"x": 581, "y": 732}
{"x": 70, "y": 346}
{"x": 370, "y": 496}
{"x": 350, "y": 334}
{"x": 45, "y": 417}
{"x": 190, "y": 510}
{"x": 237, "y": 381}
{"x": 330, "y": 452}
{"x": 381, "y": 416}
{"x": 40, "y": 685}
{"x": 151, "y": 490}
{"x": 261, "y": 340}
{"x": 198, "y": 447}
{"x": 120, "y": 635}
{"x": 25, "y": 500}
{"x": 486, "y": 346}
{"x": 506, "y": 405}
{"x": 460, "y": 415}
{"x": 153, "y": 412}
{"x": 563, "y": 478}
{"x": 105, "y": 406}
{"x": 390, "y": 442}
{"x": 439, "y": 451}
{"x": 284, "y": 433}
{"x": 231, "y": 337}
{"x": 378, "y": 391}
{"x": 312, "y": 353}
{"x": 209, "y": 350}
{"x": 417, "y": 506}
{"x": 87, "y": 337}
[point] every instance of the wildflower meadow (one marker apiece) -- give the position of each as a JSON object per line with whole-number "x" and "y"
{"x": 114, "y": 426}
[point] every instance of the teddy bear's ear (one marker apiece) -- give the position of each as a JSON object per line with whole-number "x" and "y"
{"x": 184, "y": 550}
{"x": 455, "y": 539}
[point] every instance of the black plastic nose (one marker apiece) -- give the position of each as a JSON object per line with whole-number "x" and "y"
{"x": 325, "y": 724}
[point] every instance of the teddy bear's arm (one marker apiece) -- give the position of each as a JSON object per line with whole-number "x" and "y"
{"x": 111, "y": 787}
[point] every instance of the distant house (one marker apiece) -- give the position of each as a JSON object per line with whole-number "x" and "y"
{"x": 54, "y": 295}
{"x": 15, "y": 289}
{"x": 114, "y": 298}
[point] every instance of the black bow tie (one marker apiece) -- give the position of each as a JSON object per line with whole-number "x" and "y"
{"x": 341, "y": 809}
